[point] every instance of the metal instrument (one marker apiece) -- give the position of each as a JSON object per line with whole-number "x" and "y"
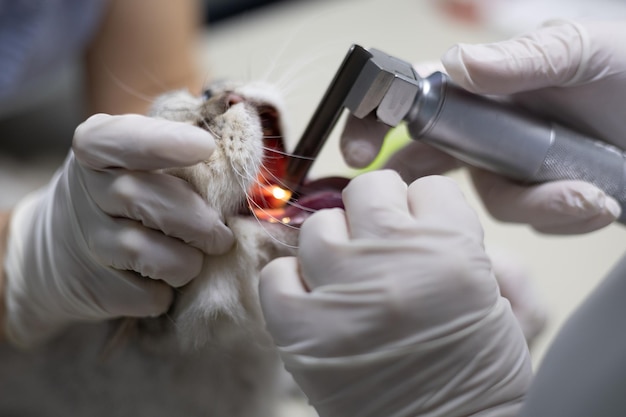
{"x": 475, "y": 129}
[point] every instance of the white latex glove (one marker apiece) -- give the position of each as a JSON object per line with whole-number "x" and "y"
{"x": 391, "y": 307}
{"x": 516, "y": 285}
{"x": 574, "y": 73}
{"x": 110, "y": 236}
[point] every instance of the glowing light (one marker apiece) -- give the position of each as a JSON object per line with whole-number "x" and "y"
{"x": 268, "y": 202}
{"x": 280, "y": 193}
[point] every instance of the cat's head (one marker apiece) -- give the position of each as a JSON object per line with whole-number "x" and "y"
{"x": 239, "y": 180}
{"x": 245, "y": 121}
{"x": 249, "y": 162}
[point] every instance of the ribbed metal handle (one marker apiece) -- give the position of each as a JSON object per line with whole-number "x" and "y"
{"x": 506, "y": 140}
{"x": 575, "y": 156}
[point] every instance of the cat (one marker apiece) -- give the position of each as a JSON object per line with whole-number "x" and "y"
{"x": 210, "y": 354}
{"x": 242, "y": 119}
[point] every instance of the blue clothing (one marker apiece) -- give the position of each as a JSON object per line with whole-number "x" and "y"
{"x": 38, "y": 37}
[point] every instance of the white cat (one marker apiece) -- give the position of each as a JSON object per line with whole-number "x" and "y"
{"x": 210, "y": 355}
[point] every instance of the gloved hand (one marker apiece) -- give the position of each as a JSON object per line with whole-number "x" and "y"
{"x": 110, "y": 236}
{"x": 574, "y": 73}
{"x": 516, "y": 285}
{"x": 391, "y": 307}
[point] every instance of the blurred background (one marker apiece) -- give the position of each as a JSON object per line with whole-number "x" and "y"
{"x": 298, "y": 44}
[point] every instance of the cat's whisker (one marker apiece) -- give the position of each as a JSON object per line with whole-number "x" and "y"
{"x": 181, "y": 110}
{"x": 207, "y": 78}
{"x": 150, "y": 76}
{"x": 171, "y": 319}
{"x": 284, "y": 153}
{"x": 294, "y": 203}
{"x": 127, "y": 88}
{"x": 251, "y": 201}
{"x": 306, "y": 68}
{"x": 268, "y": 177}
{"x": 290, "y": 38}
{"x": 281, "y": 184}
{"x": 263, "y": 224}
{"x": 253, "y": 204}
{"x": 245, "y": 180}
{"x": 208, "y": 127}
{"x": 273, "y": 218}
{"x": 271, "y": 178}
{"x": 293, "y": 78}
{"x": 273, "y": 159}
{"x": 247, "y": 176}
{"x": 274, "y": 154}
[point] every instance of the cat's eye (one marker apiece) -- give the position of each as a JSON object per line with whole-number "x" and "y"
{"x": 207, "y": 94}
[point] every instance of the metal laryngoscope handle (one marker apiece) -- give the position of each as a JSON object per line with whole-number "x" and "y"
{"x": 505, "y": 140}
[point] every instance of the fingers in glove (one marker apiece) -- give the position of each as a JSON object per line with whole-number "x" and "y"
{"x": 139, "y": 143}
{"x": 324, "y": 235}
{"x": 425, "y": 68}
{"x": 534, "y": 67}
{"x": 315, "y": 322}
{"x": 418, "y": 159}
{"x": 127, "y": 245}
{"x": 516, "y": 285}
{"x": 161, "y": 202}
{"x": 135, "y": 296}
{"x": 376, "y": 205}
{"x": 282, "y": 293}
{"x": 361, "y": 140}
{"x": 554, "y": 55}
{"x": 439, "y": 201}
{"x": 559, "y": 207}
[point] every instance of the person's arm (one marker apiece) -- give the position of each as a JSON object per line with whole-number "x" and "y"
{"x": 583, "y": 372}
{"x": 142, "y": 49}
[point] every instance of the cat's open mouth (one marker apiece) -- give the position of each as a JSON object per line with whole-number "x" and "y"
{"x": 269, "y": 199}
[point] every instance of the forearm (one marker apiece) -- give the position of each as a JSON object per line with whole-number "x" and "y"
{"x": 583, "y": 372}
{"x": 143, "y": 48}
{"x": 4, "y": 229}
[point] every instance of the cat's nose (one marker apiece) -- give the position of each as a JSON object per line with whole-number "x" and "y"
{"x": 233, "y": 98}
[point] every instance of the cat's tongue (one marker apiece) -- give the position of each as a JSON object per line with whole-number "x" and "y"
{"x": 314, "y": 196}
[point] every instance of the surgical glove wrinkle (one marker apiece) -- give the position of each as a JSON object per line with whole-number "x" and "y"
{"x": 391, "y": 307}
{"x": 110, "y": 236}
